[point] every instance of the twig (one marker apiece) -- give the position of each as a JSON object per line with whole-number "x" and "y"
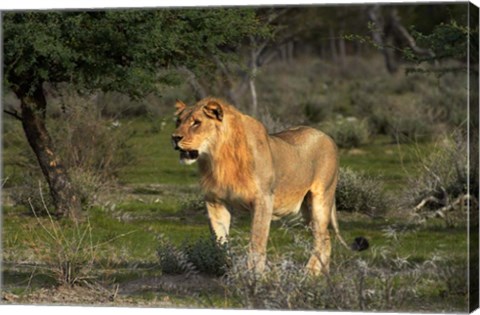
{"x": 14, "y": 114}
{"x": 115, "y": 293}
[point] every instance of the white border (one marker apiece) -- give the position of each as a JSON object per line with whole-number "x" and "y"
{"x": 90, "y": 4}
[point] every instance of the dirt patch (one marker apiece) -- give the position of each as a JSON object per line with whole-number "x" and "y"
{"x": 125, "y": 294}
{"x": 64, "y": 295}
{"x": 175, "y": 284}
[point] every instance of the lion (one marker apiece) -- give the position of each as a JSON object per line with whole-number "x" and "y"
{"x": 241, "y": 166}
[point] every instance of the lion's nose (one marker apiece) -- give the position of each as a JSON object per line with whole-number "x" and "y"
{"x": 175, "y": 140}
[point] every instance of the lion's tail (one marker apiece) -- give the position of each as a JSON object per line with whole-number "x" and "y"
{"x": 335, "y": 226}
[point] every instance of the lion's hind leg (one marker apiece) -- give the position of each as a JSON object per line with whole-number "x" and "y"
{"x": 321, "y": 205}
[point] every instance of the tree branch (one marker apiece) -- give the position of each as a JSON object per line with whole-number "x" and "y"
{"x": 14, "y": 114}
{"x": 198, "y": 89}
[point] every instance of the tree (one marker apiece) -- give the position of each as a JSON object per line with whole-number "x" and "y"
{"x": 108, "y": 51}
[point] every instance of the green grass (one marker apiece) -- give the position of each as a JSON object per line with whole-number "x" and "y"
{"x": 391, "y": 162}
{"x": 155, "y": 160}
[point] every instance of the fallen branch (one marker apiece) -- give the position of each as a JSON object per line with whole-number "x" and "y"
{"x": 447, "y": 207}
{"x": 425, "y": 201}
{"x": 460, "y": 201}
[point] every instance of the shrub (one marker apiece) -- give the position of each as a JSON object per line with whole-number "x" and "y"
{"x": 205, "y": 256}
{"x": 357, "y": 192}
{"x": 87, "y": 141}
{"x": 317, "y": 109}
{"x": 374, "y": 283}
{"x": 449, "y": 98}
{"x": 66, "y": 250}
{"x": 173, "y": 260}
{"x": 271, "y": 123}
{"x": 32, "y": 192}
{"x": 348, "y": 132}
{"x": 92, "y": 148}
{"x": 208, "y": 256}
{"x": 442, "y": 179}
{"x": 409, "y": 122}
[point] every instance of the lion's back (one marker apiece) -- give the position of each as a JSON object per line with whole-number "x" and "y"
{"x": 303, "y": 136}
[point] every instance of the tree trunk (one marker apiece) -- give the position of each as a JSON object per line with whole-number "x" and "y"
{"x": 379, "y": 35}
{"x": 333, "y": 45}
{"x": 253, "y": 73}
{"x": 342, "y": 50}
{"x": 33, "y": 114}
{"x": 198, "y": 89}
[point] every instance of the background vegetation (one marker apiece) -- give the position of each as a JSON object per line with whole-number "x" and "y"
{"x": 388, "y": 84}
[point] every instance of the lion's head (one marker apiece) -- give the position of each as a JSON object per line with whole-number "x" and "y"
{"x": 196, "y": 128}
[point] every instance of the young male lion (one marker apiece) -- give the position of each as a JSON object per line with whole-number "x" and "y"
{"x": 243, "y": 167}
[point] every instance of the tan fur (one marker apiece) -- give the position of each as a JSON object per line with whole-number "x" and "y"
{"x": 242, "y": 167}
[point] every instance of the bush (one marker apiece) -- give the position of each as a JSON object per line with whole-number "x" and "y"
{"x": 205, "y": 256}
{"x": 441, "y": 179}
{"x": 173, "y": 260}
{"x": 87, "y": 141}
{"x": 409, "y": 122}
{"x": 357, "y": 192}
{"x": 32, "y": 192}
{"x": 93, "y": 150}
{"x": 348, "y": 132}
{"x": 317, "y": 109}
{"x": 66, "y": 250}
{"x": 208, "y": 256}
{"x": 271, "y": 123}
{"x": 382, "y": 281}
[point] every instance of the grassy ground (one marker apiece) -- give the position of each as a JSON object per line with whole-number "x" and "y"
{"x": 160, "y": 197}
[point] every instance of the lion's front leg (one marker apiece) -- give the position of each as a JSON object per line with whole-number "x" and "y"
{"x": 219, "y": 220}
{"x": 262, "y": 217}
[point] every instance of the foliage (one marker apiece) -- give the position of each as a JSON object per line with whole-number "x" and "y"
{"x": 450, "y": 40}
{"x": 348, "y": 132}
{"x": 87, "y": 141}
{"x": 173, "y": 260}
{"x": 117, "y": 50}
{"x": 206, "y": 256}
{"x": 271, "y": 123}
{"x": 413, "y": 107}
{"x": 94, "y": 150}
{"x": 409, "y": 123}
{"x": 110, "y": 51}
{"x": 30, "y": 192}
{"x": 443, "y": 178}
{"x": 358, "y": 192}
{"x": 317, "y": 109}
{"x": 68, "y": 253}
{"x": 381, "y": 281}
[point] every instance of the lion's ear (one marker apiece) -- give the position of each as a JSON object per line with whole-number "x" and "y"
{"x": 213, "y": 110}
{"x": 179, "y": 106}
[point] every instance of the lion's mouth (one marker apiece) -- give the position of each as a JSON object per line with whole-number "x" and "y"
{"x": 188, "y": 155}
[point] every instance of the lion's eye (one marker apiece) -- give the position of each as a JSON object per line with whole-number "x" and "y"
{"x": 196, "y": 123}
{"x": 178, "y": 122}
